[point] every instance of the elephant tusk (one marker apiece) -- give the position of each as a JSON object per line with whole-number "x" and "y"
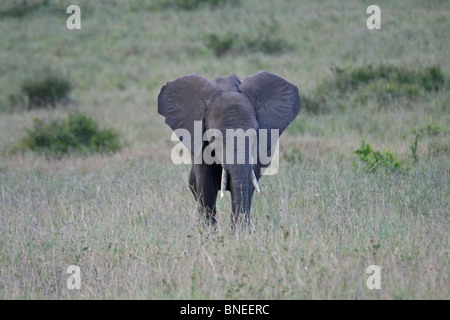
{"x": 254, "y": 181}
{"x": 223, "y": 186}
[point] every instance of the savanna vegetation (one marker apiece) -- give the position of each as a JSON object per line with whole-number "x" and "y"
{"x": 86, "y": 177}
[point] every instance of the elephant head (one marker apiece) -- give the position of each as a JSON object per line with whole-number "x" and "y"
{"x": 262, "y": 101}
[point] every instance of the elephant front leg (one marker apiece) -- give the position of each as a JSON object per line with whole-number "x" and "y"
{"x": 206, "y": 197}
{"x": 208, "y": 211}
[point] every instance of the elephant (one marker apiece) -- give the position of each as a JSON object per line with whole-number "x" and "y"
{"x": 262, "y": 101}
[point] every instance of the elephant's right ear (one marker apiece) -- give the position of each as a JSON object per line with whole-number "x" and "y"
{"x": 184, "y": 101}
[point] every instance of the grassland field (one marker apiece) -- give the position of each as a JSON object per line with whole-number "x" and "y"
{"x": 128, "y": 219}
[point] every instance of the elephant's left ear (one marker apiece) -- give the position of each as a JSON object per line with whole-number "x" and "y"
{"x": 276, "y": 101}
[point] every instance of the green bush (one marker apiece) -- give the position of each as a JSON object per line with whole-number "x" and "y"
{"x": 313, "y": 105}
{"x": 429, "y": 79}
{"x": 431, "y": 129}
{"x": 220, "y": 45}
{"x": 382, "y": 84}
{"x": 19, "y": 9}
{"x": 432, "y": 79}
{"x": 76, "y": 133}
{"x": 47, "y": 90}
{"x": 193, "y": 4}
{"x": 384, "y": 91}
{"x": 374, "y": 160}
{"x": 265, "y": 40}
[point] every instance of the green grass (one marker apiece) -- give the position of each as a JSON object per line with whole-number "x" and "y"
{"x": 134, "y": 232}
{"x": 129, "y": 220}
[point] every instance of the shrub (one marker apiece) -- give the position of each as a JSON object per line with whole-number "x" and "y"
{"x": 220, "y": 45}
{"x": 265, "y": 40}
{"x": 313, "y": 105}
{"x": 375, "y": 160}
{"x": 47, "y": 90}
{"x": 384, "y": 91}
{"x": 20, "y": 10}
{"x": 193, "y": 4}
{"x": 429, "y": 79}
{"x": 431, "y": 129}
{"x": 382, "y": 83}
{"x": 432, "y": 79}
{"x": 76, "y": 133}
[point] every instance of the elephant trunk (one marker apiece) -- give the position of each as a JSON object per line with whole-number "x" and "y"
{"x": 241, "y": 196}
